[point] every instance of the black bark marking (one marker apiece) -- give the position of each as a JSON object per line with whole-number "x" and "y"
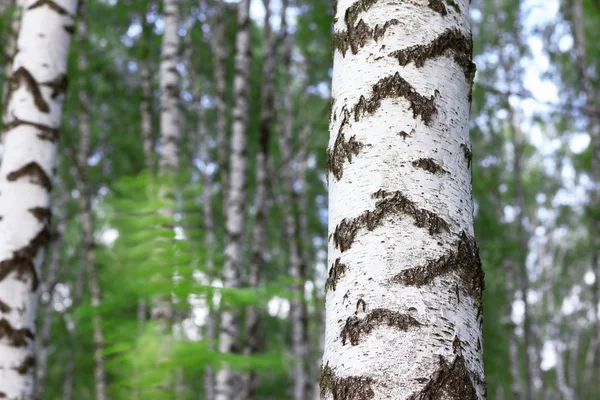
{"x": 58, "y": 85}
{"x": 391, "y": 87}
{"x": 355, "y": 37}
{"x": 22, "y": 260}
{"x": 464, "y": 262}
{"x": 451, "y": 40}
{"x": 3, "y": 395}
{"x": 70, "y": 29}
{"x": 16, "y": 337}
{"x": 449, "y": 382}
{"x": 23, "y": 75}
{"x": 36, "y": 174}
{"x": 468, "y": 154}
{"x": 356, "y": 326}
{"x": 454, "y": 5}
{"x": 389, "y": 203}
{"x": 438, "y": 6}
{"x": 348, "y": 388}
{"x": 52, "y": 5}
{"x": 338, "y": 269}
{"x": 5, "y": 308}
{"x": 429, "y": 165}
{"x": 342, "y": 150}
{"x": 27, "y": 364}
{"x": 42, "y": 214}
{"x": 46, "y": 132}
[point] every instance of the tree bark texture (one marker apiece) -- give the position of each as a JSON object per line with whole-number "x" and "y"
{"x": 404, "y": 293}
{"x": 37, "y": 86}
{"x": 146, "y": 96}
{"x": 228, "y": 383}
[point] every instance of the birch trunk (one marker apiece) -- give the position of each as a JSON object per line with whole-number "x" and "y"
{"x": 85, "y": 202}
{"x": 594, "y": 130}
{"x": 218, "y": 43}
{"x": 146, "y": 96}
{"x": 71, "y": 325}
{"x": 297, "y": 309}
{"x": 35, "y": 103}
{"x": 47, "y": 309}
{"x": 209, "y": 227}
{"x": 259, "y": 245}
{"x": 228, "y": 383}
{"x": 403, "y": 299}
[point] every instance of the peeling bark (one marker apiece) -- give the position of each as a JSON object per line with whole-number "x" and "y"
{"x": 404, "y": 293}
{"x": 35, "y": 97}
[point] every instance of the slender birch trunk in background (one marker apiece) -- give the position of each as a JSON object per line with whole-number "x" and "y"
{"x": 10, "y": 50}
{"x": 47, "y": 290}
{"x": 228, "y": 383}
{"x": 168, "y": 164}
{"x": 47, "y": 310}
{"x": 513, "y": 345}
{"x": 146, "y": 96}
{"x": 209, "y": 228}
{"x": 297, "y": 309}
{"x": 404, "y": 293}
{"x": 593, "y": 112}
{"x": 259, "y": 233}
{"x": 219, "y": 50}
{"x": 85, "y": 202}
{"x": 71, "y": 324}
{"x": 529, "y": 354}
{"x": 35, "y": 104}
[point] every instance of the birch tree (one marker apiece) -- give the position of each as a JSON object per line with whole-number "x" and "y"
{"x": 259, "y": 232}
{"x": 85, "y": 203}
{"x": 38, "y": 83}
{"x": 227, "y": 382}
{"x": 404, "y": 293}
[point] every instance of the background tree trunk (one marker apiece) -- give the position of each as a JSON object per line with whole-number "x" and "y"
{"x": 85, "y": 201}
{"x": 227, "y": 382}
{"x": 404, "y": 293}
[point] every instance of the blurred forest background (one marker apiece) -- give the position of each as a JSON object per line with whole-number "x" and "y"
{"x": 535, "y": 107}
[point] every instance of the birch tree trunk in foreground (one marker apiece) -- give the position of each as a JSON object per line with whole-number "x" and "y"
{"x": 35, "y": 104}
{"x": 404, "y": 305}
{"x": 85, "y": 203}
{"x": 10, "y": 48}
{"x": 227, "y": 382}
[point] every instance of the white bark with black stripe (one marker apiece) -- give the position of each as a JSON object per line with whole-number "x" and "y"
{"x": 403, "y": 304}
{"x": 34, "y": 110}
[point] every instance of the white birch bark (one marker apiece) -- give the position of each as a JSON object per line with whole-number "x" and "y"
{"x": 169, "y": 90}
{"x": 34, "y": 109}
{"x": 403, "y": 300}
{"x": 218, "y": 43}
{"x": 228, "y": 383}
{"x": 85, "y": 203}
